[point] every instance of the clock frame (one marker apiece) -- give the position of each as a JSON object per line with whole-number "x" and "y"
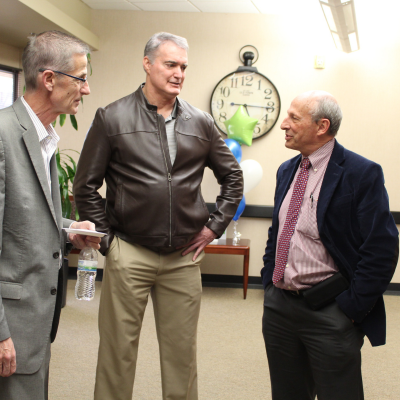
{"x": 247, "y": 87}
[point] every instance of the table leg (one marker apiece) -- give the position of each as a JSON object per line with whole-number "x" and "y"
{"x": 245, "y": 274}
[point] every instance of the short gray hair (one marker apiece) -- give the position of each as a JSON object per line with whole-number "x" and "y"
{"x": 51, "y": 50}
{"x": 327, "y": 107}
{"x": 160, "y": 38}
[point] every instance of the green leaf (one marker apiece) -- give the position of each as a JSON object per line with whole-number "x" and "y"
{"x": 62, "y": 176}
{"x": 66, "y": 169}
{"x": 24, "y": 90}
{"x": 54, "y": 123}
{"x": 63, "y": 207}
{"x": 73, "y": 121}
{"x": 58, "y": 156}
{"x": 62, "y": 119}
{"x": 72, "y": 161}
{"x": 89, "y": 58}
{"x": 76, "y": 214}
{"x": 71, "y": 173}
{"x": 68, "y": 208}
{"x": 63, "y": 151}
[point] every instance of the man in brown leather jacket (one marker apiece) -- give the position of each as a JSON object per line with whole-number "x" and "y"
{"x": 152, "y": 149}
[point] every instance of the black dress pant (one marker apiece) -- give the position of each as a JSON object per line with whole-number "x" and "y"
{"x": 311, "y": 352}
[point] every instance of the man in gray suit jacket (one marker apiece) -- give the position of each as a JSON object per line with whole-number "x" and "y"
{"x": 31, "y": 236}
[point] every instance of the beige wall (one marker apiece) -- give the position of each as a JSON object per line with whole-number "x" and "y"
{"x": 10, "y": 56}
{"x": 366, "y": 84}
{"x": 76, "y": 9}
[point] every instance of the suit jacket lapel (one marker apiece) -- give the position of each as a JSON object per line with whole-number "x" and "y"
{"x": 32, "y": 144}
{"x": 55, "y": 190}
{"x": 332, "y": 177}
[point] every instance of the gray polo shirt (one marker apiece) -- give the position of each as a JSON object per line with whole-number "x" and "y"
{"x": 170, "y": 128}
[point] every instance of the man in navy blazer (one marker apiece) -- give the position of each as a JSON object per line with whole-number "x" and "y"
{"x": 344, "y": 229}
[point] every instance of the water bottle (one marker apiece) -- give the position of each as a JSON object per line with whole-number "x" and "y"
{"x": 87, "y": 270}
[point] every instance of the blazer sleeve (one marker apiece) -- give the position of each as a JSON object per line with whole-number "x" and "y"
{"x": 378, "y": 246}
{"x": 67, "y": 222}
{"x": 90, "y": 174}
{"x": 4, "y": 331}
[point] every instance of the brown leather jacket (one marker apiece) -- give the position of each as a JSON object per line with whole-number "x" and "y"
{"x": 150, "y": 202}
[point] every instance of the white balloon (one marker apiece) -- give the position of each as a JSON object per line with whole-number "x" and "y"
{"x": 252, "y": 174}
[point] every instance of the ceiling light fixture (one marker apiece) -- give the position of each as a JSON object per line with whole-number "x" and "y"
{"x": 340, "y": 16}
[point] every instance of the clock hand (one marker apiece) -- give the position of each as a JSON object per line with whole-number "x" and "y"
{"x": 250, "y": 105}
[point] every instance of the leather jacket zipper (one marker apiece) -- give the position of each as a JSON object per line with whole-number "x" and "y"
{"x": 170, "y": 208}
{"x": 169, "y": 177}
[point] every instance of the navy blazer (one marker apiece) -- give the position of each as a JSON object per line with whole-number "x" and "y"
{"x": 356, "y": 227}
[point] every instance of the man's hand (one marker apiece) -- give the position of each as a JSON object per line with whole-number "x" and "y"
{"x": 8, "y": 362}
{"x": 81, "y": 241}
{"x": 201, "y": 240}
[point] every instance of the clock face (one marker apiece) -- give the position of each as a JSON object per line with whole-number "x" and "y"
{"x": 252, "y": 90}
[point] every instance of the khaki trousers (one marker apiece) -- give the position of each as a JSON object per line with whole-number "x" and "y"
{"x": 131, "y": 273}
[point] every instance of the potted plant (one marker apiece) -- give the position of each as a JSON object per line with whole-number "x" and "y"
{"x": 66, "y": 169}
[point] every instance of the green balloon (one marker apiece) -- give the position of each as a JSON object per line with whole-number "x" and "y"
{"x": 240, "y": 126}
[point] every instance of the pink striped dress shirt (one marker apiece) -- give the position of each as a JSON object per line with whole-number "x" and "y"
{"x": 308, "y": 261}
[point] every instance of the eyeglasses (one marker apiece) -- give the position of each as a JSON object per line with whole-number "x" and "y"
{"x": 83, "y": 80}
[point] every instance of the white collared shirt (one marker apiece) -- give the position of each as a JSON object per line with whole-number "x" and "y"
{"x": 48, "y": 139}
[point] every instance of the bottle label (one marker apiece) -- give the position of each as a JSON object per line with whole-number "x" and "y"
{"x": 84, "y": 265}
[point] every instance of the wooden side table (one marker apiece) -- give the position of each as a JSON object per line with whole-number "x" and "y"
{"x": 225, "y": 246}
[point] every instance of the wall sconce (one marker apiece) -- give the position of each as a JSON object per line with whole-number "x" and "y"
{"x": 340, "y": 16}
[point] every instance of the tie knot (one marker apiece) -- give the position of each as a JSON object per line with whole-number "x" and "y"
{"x": 305, "y": 164}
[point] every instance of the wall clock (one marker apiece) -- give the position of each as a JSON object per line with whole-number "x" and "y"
{"x": 248, "y": 87}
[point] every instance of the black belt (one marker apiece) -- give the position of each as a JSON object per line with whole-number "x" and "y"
{"x": 324, "y": 292}
{"x": 297, "y": 293}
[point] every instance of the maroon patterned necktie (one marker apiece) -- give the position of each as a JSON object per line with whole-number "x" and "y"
{"x": 290, "y": 222}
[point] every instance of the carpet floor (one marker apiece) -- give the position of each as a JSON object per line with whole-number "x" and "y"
{"x": 232, "y": 364}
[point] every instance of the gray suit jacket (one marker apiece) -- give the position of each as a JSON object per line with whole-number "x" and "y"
{"x": 30, "y": 239}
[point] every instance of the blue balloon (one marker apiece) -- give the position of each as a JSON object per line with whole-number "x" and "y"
{"x": 235, "y": 148}
{"x": 240, "y": 209}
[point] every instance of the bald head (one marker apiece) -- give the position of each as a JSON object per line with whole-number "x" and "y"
{"x": 323, "y": 105}
{"x": 313, "y": 119}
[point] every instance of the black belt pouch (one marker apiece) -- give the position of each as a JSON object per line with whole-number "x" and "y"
{"x": 326, "y": 291}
